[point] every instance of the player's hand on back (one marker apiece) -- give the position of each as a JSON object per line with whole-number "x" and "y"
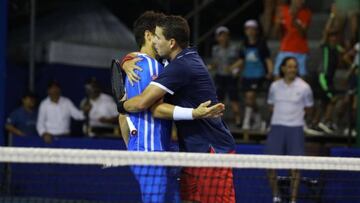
{"x": 206, "y": 111}
{"x": 129, "y": 67}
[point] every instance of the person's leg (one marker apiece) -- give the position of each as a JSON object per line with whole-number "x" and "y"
{"x": 250, "y": 107}
{"x": 328, "y": 116}
{"x": 189, "y": 191}
{"x": 234, "y": 99}
{"x": 301, "y": 59}
{"x": 272, "y": 178}
{"x": 216, "y": 184}
{"x": 274, "y": 145}
{"x": 295, "y": 146}
{"x": 152, "y": 181}
{"x": 294, "y": 184}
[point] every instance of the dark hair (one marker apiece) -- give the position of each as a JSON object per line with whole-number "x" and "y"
{"x": 147, "y": 21}
{"x": 53, "y": 83}
{"x": 284, "y": 61}
{"x": 29, "y": 94}
{"x": 175, "y": 27}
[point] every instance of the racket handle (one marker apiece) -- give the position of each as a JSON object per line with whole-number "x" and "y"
{"x": 133, "y": 130}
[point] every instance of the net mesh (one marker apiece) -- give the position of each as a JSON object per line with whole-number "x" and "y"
{"x": 73, "y": 175}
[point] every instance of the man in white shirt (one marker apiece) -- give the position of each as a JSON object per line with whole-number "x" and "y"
{"x": 103, "y": 113}
{"x": 290, "y": 98}
{"x": 55, "y": 113}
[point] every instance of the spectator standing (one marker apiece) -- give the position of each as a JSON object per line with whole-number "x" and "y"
{"x": 293, "y": 22}
{"x": 55, "y": 113}
{"x": 332, "y": 54}
{"x": 255, "y": 67}
{"x": 225, "y": 53}
{"x": 289, "y": 99}
{"x": 22, "y": 121}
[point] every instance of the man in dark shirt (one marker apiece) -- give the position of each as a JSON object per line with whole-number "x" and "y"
{"x": 22, "y": 121}
{"x": 188, "y": 82}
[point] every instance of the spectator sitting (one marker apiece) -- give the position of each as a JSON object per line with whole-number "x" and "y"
{"x": 55, "y": 114}
{"x": 223, "y": 55}
{"x": 103, "y": 112}
{"x": 22, "y": 121}
{"x": 255, "y": 66}
{"x": 293, "y": 21}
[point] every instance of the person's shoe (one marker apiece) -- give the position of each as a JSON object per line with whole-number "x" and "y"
{"x": 346, "y": 132}
{"x": 326, "y": 128}
{"x": 313, "y": 131}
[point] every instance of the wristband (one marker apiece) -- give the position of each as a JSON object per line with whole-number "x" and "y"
{"x": 181, "y": 113}
{"x": 120, "y": 107}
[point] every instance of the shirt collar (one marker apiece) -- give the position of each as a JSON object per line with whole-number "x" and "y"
{"x": 186, "y": 51}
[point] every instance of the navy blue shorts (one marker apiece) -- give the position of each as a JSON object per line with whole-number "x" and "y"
{"x": 284, "y": 140}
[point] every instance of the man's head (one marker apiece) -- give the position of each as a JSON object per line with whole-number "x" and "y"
{"x": 172, "y": 33}
{"x": 144, "y": 27}
{"x": 54, "y": 91}
{"x": 289, "y": 68}
{"x": 92, "y": 88}
{"x": 28, "y": 100}
{"x": 222, "y": 35}
{"x": 251, "y": 28}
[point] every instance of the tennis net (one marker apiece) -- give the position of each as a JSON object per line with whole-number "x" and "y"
{"x": 77, "y": 175}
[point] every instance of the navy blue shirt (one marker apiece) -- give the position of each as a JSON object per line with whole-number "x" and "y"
{"x": 24, "y": 121}
{"x": 186, "y": 78}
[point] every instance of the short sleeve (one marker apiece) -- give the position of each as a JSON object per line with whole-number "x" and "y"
{"x": 308, "y": 97}
{"x": 271, "y": 95}
{"x": 172, "y": 78}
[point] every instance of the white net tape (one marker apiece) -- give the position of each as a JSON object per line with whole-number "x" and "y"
{"x": 112, "y": 158}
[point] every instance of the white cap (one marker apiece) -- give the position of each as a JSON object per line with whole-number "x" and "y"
{"x": 221, "y": 29}
{"x": 251, "y": 23}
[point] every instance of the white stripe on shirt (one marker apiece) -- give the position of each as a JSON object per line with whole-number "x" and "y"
{"x": 157, "y": 68}
{"x": 152, "y": 134}
{"x": 146, "y": 132}
{"x": 162, "y": 87}
{"x": 150, "y": 66}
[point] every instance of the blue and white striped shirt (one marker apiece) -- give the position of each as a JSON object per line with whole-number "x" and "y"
{"x": 153, "y": 134}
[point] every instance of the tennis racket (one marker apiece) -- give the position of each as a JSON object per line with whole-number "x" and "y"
{"x": 118, "y": 90}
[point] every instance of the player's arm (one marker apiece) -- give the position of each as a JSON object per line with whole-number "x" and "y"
{"x": 13, "y": 130}
{"x": 145, "y": 100}
{"x": 171, "y": 112}
{"x": 153, "y": 94}
{"x": 124, "y": 128}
